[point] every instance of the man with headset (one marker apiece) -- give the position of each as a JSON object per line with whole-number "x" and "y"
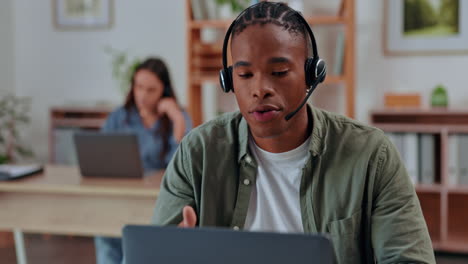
{"x": 279, "y": 166}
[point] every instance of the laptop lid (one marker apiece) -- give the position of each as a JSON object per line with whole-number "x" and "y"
{"x": 152, "y": 244}
{"x": 112, "y": 154}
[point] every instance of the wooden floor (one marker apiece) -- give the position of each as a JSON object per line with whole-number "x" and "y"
{"x": 80, "y": 250}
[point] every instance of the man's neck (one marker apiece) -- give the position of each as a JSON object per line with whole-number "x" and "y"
{"x": 290, "y": 139}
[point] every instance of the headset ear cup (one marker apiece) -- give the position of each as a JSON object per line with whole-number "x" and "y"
{"x": 315, "y": 71}
{"x": 320, "y": 70}
{"x": 225, "y": 79}
{"x": 223, "y": 76}
{"x": 309, "y": 69}
{"x": 231, "y": 83}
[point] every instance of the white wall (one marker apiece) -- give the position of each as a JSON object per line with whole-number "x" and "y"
{"x": 377, "y": 74}
{"x": 6, "y": 47}
{"x": 65, "y": 67}
{"x": 56, "y": 67}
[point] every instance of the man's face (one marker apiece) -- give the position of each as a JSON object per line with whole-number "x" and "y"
{"x": 268, "y": 76}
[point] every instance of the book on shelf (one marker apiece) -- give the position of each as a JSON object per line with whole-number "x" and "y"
{"x": 204, "y": 9}
{"x": 411, "y": 154}
{"x": 463, "y": 159}
{"x": 410, "y": 147}
{"x": 453, "y": 157}
{"x": 427, "y": 158}
{"x": 198, "y": 9}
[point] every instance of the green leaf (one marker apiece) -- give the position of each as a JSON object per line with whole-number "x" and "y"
{"x": 25, "y": 152}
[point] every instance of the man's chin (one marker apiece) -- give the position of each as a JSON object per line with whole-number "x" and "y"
{"x": 265, "y": 131}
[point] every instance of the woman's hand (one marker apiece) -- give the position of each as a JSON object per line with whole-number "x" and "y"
{"x": 169, "y": 107}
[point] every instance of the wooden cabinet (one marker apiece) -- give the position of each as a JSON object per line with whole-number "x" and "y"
{"x": 64, "y": 121}
{"x": 444, "y": 202}
{"x": 198, "y": 53}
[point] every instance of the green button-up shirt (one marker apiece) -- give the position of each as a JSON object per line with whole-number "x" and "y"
{"x": 354, "y": 187}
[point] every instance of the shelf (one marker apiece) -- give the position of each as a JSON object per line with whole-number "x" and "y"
{"x": 200, "y": 79}
{"x": 426, "y": 188}
{"x": 225, "y": 23}
{"x": 443, "y": 205}
{"x": 454, "y": 245}
{"x": 448, "y": 117}
{"x": 79, "y": 122}
{"x": 416, "y": 128}
{"x": 409, "y": 128}
{"x": 460, "y": 189}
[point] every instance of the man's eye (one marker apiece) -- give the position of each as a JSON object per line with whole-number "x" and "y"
{"x": 245, "y": 75}
{"x": 279, "y": 73}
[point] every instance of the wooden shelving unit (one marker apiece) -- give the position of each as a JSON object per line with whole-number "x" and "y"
{"x": 196, "y": 76}
{"x": 444, "y": 206}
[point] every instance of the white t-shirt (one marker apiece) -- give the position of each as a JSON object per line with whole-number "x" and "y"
{"x": 274, "y": 202}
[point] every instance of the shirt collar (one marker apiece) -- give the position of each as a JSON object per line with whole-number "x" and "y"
{"x": 316, "y": 146}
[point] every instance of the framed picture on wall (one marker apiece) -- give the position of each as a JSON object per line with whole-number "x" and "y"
{"x": 82, "y": 14}
{"x": 425, "y": 27}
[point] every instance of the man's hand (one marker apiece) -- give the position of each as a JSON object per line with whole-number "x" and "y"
{"x": 189, "y": 217}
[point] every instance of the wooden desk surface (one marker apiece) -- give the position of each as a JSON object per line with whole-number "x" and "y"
{"x": 62, "y": 179}
{"x": 60, "y": 201}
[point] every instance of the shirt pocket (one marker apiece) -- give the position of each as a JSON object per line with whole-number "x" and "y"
{"x": 345, "y": 234}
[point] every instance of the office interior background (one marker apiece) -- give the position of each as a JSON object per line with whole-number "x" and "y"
{"x": 59, "y": 67}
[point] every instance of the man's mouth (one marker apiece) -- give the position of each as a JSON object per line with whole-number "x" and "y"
{"x": 265, "y": 113}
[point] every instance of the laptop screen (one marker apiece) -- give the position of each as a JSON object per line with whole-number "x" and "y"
{"x": 152, "y": 244}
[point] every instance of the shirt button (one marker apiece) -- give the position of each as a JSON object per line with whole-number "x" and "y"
{"x": 248, "y": 159}
{"x": 246, "y": 182}
{"x": 235, "y": 228}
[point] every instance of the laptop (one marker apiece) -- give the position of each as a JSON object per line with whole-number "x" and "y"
{"x": 113, "y": 154}
{"x": 153, "y": 244}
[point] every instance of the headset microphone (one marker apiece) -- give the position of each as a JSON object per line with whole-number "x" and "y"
{"x": 321, "y": 73}
{"x": 309, "y": 93}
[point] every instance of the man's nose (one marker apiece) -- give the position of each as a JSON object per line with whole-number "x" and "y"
{"x": 262, "y": 88}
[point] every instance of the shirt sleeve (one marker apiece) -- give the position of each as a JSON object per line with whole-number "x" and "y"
{"x": 399, "y": 231}
{"x": 176, "y": 190}
{"x": 111, "y": 123}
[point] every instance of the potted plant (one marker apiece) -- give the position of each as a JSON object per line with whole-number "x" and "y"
{"x": 14, "y": 113}
{"x": 439, "y": 97}
{"x": 122, "y": 68}
{"x": 228, "y": 8}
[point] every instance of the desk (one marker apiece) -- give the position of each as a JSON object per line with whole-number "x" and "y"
{"x": 60, "y": 201}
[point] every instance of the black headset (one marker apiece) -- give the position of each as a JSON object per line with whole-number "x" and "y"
{"x": 315, "y": 68}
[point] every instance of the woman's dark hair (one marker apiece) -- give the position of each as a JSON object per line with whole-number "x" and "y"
{"x": 159, "y": 69}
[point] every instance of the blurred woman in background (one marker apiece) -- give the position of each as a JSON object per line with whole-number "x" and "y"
{"x": 152, "y": 113}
